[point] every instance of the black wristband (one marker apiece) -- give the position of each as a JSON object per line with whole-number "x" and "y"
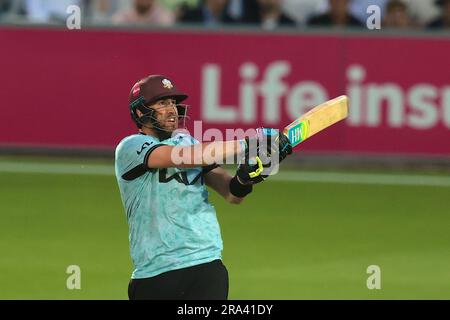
{"x": 239, "y": 190}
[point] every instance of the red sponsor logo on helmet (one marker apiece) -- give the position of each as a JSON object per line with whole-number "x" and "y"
{"x": 136, "y": 90}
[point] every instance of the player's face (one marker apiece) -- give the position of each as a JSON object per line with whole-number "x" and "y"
{"x": 167, "y": 114}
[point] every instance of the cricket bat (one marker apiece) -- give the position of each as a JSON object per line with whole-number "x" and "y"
{"x": 317, "y": 119}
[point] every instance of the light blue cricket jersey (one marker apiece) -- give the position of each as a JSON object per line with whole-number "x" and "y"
{"x": 171, "y": 223}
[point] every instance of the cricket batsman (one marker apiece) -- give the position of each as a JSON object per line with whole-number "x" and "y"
{"x": 174, "y": 234}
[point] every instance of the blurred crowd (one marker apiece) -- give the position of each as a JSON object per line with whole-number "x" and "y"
{"x": 266, "y": 14}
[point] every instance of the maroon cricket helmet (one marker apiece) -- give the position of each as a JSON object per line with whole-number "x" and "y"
{"x": 149, "y": 90}
{"x": 153, "y": 88}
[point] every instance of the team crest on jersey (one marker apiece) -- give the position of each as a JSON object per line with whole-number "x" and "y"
{"x": 167, "y": 84}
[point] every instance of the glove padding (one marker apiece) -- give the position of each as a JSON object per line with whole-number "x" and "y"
{"x": 266, "y": 144}
{"x": 284, "y": 147}
{"x": 251, "y": 172}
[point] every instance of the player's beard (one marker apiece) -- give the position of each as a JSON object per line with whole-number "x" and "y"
{"x": 166, "y": 126}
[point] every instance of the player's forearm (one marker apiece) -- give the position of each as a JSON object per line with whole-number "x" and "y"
{"x": 208, "y": 153}
{"x": 233, "y": 199}
{"x": 220, "y": 181}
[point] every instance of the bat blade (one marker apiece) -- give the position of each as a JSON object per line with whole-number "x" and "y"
{"x": 317, "y": 119}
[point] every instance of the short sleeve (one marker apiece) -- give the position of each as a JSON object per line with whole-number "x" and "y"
{"x": 132, "y": 155}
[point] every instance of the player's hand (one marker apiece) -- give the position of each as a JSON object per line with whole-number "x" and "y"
{"x": 251, "y": 172}
{"x": 285, "y": 147}
{"x": 268, "y": 142}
